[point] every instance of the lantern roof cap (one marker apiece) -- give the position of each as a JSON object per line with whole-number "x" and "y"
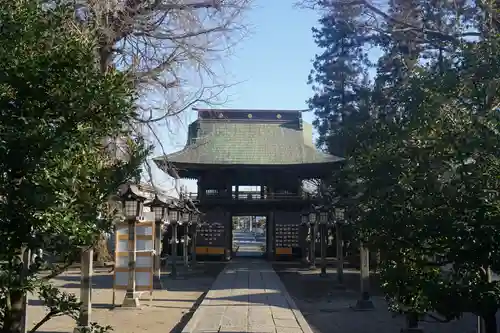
{"x": 160, "y": 200}
{"x": 320, "y": 208}
{"x": 131, "y": 191}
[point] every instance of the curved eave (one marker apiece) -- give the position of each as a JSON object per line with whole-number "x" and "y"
{"x": 178, "y": 169}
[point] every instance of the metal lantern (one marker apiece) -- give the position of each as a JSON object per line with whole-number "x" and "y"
{"x": 132, "y": 202}
{"x": 323, "y": 216}
{"x": 312, "y": 217}
{"x": 130, "y": 208}
{"x": 304, "y": 218}
{"x": 186, "y": 216}
{"x": 174, "y": 213}
{"x": 339, "y": 214}
{"x": 159, "y": 208}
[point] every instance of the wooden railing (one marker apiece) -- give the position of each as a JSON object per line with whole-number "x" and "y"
{"x": 249, "y": 196}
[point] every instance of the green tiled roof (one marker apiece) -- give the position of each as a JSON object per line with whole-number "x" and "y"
{"x": 227, "y": 142}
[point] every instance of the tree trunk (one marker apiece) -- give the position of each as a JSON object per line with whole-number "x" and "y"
{"x": 490, "y": 323}
{"x": 13, "y": 320}
{"x": 102, "y": 252}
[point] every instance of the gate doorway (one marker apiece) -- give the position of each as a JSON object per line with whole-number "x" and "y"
{"x": 249, "y": 236}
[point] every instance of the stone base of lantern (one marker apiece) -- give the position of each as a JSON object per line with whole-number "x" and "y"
{"x": 131, "y": 301}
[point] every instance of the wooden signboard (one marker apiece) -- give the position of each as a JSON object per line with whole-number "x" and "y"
{"x": 144, "y": 248}
{"x": 211, "y": 239}
{"x": 286, "y": 238}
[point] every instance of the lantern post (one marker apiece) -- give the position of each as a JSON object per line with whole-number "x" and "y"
{"x": 313, "y": 232}
{"x": 339, "y": 220}
{"x": 194, "y": 233}
{"x": 304, "y": 219}
{"x": 175, "y": 219}
{"x": 186, "y": 221}
{"x": 323, "y": 221}
{"x": 133, "y": 204}
{"x": 160, "y": 209}
{"x": 364, "y": 302}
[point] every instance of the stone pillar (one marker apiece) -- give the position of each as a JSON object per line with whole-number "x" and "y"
{"x": 364, "y": 269}
{"x": 84, "y": 318}
{"x": 340, "y": 252}
{"x": 364, "y": 303}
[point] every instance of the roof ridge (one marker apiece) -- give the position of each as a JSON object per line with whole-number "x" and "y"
{"x": 251, "y": 110}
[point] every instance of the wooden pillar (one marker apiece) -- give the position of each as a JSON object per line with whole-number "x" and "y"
{"x": 201, "y": 189}
{"x": 270, "y": 236}
{"x": 340, "y": 252}
{"x": 228, "y": 234}
{"x": 84, "y": 318}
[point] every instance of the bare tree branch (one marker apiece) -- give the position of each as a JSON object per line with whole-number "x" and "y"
{"x": 376, "y": 19}
{"x": 170, "y": 49}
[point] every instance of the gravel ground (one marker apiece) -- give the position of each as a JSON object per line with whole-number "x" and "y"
{"x": 327, "y": 307}
{"x": 169, "y": 311}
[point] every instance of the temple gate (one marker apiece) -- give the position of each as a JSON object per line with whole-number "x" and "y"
{"x": 271, "y": 150}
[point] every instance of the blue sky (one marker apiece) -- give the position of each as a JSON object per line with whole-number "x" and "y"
{"x": 271, "y": 67}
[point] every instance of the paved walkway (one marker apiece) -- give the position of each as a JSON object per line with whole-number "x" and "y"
{"x": 247, "y": 296}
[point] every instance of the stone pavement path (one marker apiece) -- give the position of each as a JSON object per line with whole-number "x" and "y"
{"x": 248, "y": 296}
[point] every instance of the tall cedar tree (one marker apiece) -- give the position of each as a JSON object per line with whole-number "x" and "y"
{"x": 401, "y": 53}
{"x": 338, "y": 77}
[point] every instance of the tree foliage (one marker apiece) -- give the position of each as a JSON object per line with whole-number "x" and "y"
{"x": 56, "y": 108}
{"x": 338, "y": 78}
{"x": 421, "y": 180}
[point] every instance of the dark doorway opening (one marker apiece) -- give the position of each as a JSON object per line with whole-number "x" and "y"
{"x": 249, "y": 236}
